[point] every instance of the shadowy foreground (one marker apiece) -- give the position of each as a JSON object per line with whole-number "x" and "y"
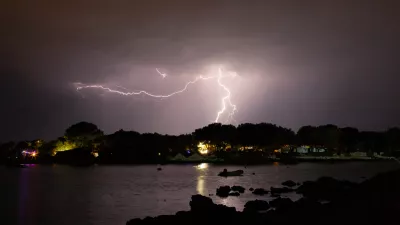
{"x": 375, "y": 201}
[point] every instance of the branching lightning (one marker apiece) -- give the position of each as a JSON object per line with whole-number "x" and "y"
{"x": 226, "y": 100}
{"x": 162, "y": 74}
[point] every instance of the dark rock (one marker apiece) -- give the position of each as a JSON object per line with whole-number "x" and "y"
{"x": 255, "y": 206}
{"x": 234, "y": 194}
{"x": 226, "y": 173}
{"x": 307, "y": 203}
{"x": 148, "y": 218}
{"x": 165, "y": 219}
{"x": 159, "y": 169}
{"x": 134, "y": 221}
{"x": 181, "y": 213}
{"x": 281, "y": 203}
{"x": 325, "y": 188}
{"x": 251, "y": 189}
{"x": 223, "y": 191}
{"x": 239, "y": 189}
{"x": 376, "y": 200}
{"x": 183, "y": 217}
{"x": 275, "y": 195}
{"x": 201, "y": 203}
{"x": 281, "y": 190}
{"x": 289, "y": 183}
{"x": 260, "y": 191}
{"x": 253, "y": 173}
{"x": 210, "y": 195}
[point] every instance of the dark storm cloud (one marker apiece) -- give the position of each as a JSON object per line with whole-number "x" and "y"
{"x": 330, "y": 62}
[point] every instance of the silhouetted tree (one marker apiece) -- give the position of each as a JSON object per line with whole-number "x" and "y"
{"x": 48, "y": 148}
{"x": 264, "y": 135}
{"x": 83, "y": 134}
{"x": 21, "y": 145}
{"x": 307, "y": 135}
{"x": 217, "y": 134}
{"x": 349, "y": 139}
{"x": 5, "y": 150}
{"x": 82, "y": 129}
{"x": 371, "y": 142}
{"x": 329, "y": 136}
{"x": 392, "y": 139}
{"x": 133, "y": 147}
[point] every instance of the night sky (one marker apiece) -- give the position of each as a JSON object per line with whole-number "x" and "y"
{"x": 298, "y": 63}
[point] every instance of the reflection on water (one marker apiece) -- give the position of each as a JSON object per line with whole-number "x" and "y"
{"x": 200, "y": 185}
{"x": 22, "y": 187}
{"x": 202, "y": 167}
{"x": 105, "y": 195}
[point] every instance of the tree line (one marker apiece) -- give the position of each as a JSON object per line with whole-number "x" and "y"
{"x": 131, "y": 146}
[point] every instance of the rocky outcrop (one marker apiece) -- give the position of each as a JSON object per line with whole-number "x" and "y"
{"x": 275, "y": 195}
{"x": 234, "y": 193}
{"x": 200, "y": 203}
{"x": 202, "y": 211}
{"x": 256, "y": 206}
{"x": 223, "y": 191}
{"x": 281, "y": 203}
{"x": 239, "y": 189}
{"x": 283, "y": 190}
{"x": 226, "y": 173}
{"x": 375, "y": 201}
{"x": 289, "y": 183}
{"x": 325, "y": 188}
{"x": 260, "y": 191}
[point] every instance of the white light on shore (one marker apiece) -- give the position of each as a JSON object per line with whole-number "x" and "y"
{"x": 202, "y": 148}
{"x": 202, "y": 166}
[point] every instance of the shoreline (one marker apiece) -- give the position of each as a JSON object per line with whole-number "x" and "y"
{"x": 294, "y": 161}
{"x": 324, "y": 201}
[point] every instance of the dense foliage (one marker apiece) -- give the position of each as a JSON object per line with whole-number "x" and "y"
{"x": 132, "y": 147}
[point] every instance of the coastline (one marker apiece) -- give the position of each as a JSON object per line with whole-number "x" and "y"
{"x": 325, "y": 201}
{"x": 292, "y": 161}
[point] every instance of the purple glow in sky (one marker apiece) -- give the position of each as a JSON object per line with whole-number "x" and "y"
{"x": 308, "y": 62}
{"x": 227, "y": 106}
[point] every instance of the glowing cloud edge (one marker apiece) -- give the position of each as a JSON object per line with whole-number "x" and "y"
{"x": 225, "y": 100}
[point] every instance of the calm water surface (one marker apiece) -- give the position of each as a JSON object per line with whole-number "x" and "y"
{"x": 111, "y": 195}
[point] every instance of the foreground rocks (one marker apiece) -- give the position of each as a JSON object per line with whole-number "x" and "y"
{"x": 239, "y": 189}
{"x": 277, "y": 191}
{"x": 375, "y": 201}
{"x": 223, "y": 191}
{"x": 256, "y": 206}
{"x": 325, "y": 188}
{"x": 289, "y": 183}
{"x": 260, "y": 191}
{"x": 281, "y": 203}
{"x": 234, "y": 193}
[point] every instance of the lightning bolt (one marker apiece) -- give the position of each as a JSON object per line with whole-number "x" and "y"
{"x": 226, "y": 100}
{"x": 162, "y": 74}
